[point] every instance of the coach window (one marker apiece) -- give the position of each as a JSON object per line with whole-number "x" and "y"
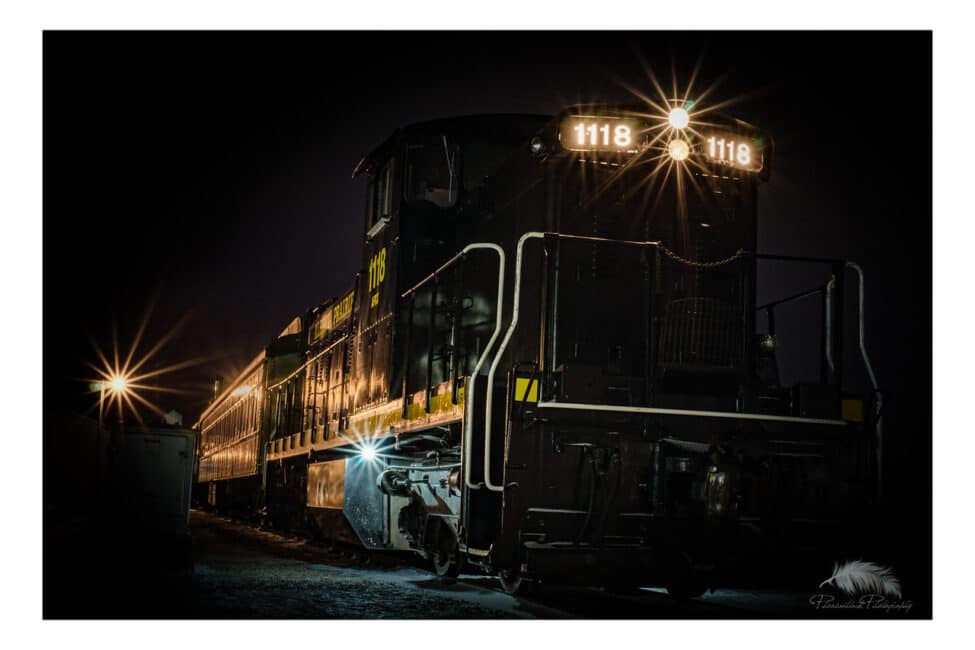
{"x": 432, "y": 170}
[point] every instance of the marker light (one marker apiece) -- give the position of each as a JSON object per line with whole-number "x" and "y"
{"x": 368, "y": 453}
{"x": 537, "y": 146}
{"x": 679, "y": 149}
{"x": 679, "y": 118}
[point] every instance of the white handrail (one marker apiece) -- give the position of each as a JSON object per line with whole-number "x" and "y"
{"x": 497, "y": 359}
{"x": 862, "y": 340}
{"x": 469, "y": 389}
{"x": 514, "y": 323}
{"x": 828, "y": 338}
{"x": 861, "y": 336}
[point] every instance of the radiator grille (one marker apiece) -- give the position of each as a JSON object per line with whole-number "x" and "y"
{"x": 700, "y": 332}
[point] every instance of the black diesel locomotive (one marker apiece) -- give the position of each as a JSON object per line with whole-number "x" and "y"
{"x": 552, "y": 364}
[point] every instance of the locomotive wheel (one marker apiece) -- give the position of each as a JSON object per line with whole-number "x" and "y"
{"x": 511, "y": 581}
{"x": 446, "y": 555}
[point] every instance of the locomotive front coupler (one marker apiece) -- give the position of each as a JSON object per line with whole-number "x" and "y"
{"x": 397, "y": 482}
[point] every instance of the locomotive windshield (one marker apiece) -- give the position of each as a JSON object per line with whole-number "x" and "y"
{"x": 432, "y": 170}
{"x": 444, "y": 158}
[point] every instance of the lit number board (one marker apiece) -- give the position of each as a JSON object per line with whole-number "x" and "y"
{"x": 600, "y": 133}
{"x": 733, "y": 150}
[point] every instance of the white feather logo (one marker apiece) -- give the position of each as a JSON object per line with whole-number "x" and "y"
{"x": 859, "y": 577}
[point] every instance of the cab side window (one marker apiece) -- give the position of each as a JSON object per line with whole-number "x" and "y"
{"x": 380, "y": 194}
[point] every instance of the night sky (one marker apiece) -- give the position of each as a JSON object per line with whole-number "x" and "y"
{"x": 211, "y": 172}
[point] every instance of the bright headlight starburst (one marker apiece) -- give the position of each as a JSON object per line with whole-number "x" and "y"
{"x": 679, "y": 118}
{"x": 679, "y": 149}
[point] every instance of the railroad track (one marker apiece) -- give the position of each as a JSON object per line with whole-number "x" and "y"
{"x": 542, "y": 600}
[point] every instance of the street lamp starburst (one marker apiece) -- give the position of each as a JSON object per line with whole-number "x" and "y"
{"x": 119, "y": 383}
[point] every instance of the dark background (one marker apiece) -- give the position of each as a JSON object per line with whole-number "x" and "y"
{"x": 209, "y": 173}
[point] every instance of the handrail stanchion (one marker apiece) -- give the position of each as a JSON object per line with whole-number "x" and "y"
{"x": 488, "y": 404}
